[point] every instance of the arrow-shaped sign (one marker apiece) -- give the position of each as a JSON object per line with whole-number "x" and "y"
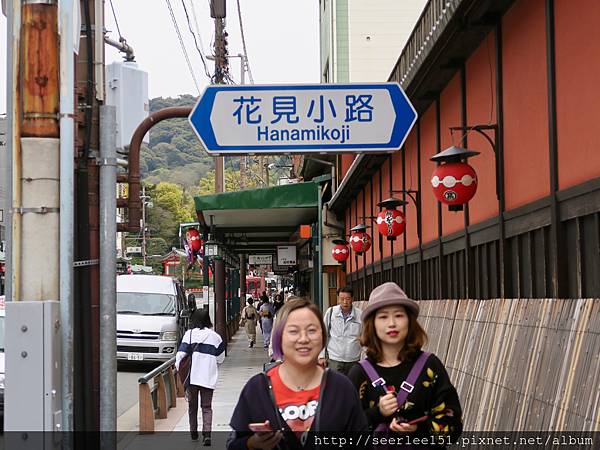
{"x": 303, "y": 118}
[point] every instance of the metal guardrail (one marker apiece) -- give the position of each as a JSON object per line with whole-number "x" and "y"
{"x": 155, "y": 401}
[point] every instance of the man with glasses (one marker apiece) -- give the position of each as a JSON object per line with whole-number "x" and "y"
{"x": 343, "y": 325}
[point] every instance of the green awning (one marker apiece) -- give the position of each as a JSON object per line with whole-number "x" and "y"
{"x": 260, "y": 219}
{"x": 298, "y": 195}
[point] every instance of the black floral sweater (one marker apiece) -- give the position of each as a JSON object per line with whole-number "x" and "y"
{"x": 433, "y": 395}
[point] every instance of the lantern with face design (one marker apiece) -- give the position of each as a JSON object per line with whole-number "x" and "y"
{"x": 340, "y": 251}
{"x": 192, "y": 236}
{"x": 391, "y": 222}
{"x": 454, "y": 182}
{"x": 360, "y": 241}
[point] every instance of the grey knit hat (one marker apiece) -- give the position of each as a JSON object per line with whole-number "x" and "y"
{"x": 388, "y": 294}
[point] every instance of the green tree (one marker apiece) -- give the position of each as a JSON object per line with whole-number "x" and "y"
{"x": 171, "y": 206}
{"x": 232, "y": 182}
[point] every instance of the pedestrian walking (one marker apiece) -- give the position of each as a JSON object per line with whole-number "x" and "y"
{"x": 261, "y": 301}
{"x": 266, "y": 313}
{"x": 264, "y": 298}
{"x": 249, "y": 319}
{"x": 278, "y": 302}
{"x": 207, "y": 350}
{"x": 343, "y": 326}
{"x": 401, "y": 388}
{"x": 298, "y": 395}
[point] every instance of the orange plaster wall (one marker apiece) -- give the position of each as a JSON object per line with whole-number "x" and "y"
{"x": 349, "y": 224}
{"x": 367, "y": 221}
{"x": 385, "y": 187}
{"x": 450, "y": 116}
{"x": 428, "y": 149}
{"x": 525, "y": 103}
{"x": 375, "y": 232}
{"x": 481, "y": 109}
{"x": 578, "y": 91}
{"x": 357, "y": 213}
{"x": 347, "y": 161}
{"x": 412, "y": 177}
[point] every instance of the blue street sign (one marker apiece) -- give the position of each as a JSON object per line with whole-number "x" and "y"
{"x": 323, "y": 118}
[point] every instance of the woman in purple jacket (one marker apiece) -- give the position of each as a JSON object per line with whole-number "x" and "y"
{"x": 280, "y": 407}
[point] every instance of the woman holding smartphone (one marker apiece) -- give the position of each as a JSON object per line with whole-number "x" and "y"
{"x": 403, "y": 389}
{"x": 298, "y": 395}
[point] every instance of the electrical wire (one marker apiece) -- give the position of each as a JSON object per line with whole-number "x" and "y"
{"x": 187, "y": 58}
{"x": 200, "y": 52}
{"x": 116, "y": 21}
{"x": 244, "y": 44}
{"x": 197, "y": 26}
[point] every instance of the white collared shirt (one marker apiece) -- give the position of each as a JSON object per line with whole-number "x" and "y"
{"x": 343, "y": 337}
{"x": 208, "y": 351}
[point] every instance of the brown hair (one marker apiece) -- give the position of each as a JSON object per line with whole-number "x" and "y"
{"x": 416, "y": 338}
{"x": 282, "y": 317}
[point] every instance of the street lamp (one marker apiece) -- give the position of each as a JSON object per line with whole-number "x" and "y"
{"x": 213, "y": 248}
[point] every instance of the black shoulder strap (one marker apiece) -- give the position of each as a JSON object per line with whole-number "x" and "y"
{"x": 317, "y": 426}
{"x": 269, "y": 385}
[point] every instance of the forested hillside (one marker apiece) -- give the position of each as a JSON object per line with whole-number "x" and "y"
{"x": 174, "y": 153}
{"x": 175, "y": 168}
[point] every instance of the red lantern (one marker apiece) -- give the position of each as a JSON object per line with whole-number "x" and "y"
{"x": 193, "y": 239}
{"x": 340, "y": 252}
{"x": 390, "y": 221}
{"x": 454, "y": 183}
{"x": 360, "y": 241}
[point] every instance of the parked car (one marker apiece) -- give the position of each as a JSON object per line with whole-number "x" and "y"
{"x": 152, "y": 315}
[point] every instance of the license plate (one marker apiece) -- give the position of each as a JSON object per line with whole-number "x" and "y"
{"x": 135, "y": 356}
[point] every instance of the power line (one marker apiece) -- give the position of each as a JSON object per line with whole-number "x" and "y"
{"x": 197, "y": 26}
{"x": 244, "y": 44}
{"x": 200, "y": 52}
{"x": 116, "y": 21}
{"x": 187, "y": 58}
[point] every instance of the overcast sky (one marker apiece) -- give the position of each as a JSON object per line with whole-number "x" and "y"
{"x": 282, "y": 39}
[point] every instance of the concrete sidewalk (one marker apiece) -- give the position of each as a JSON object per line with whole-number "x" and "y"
{"x": 240, "y": 365}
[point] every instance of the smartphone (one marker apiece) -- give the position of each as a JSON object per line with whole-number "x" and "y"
{"x": 260, "y": 427}
{"x": 420, "y": 419}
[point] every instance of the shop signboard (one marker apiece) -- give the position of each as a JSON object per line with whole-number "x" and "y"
{"x": 286, "y": 255}
{"x": 260, "y": 260}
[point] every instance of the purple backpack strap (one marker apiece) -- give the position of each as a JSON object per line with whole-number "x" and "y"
{"x": 376, "y": 380}
{"x": 408, "y": 385}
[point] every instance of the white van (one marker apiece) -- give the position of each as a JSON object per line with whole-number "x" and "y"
{"x": 152, "y": 315}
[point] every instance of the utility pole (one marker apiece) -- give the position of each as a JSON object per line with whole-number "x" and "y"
{"x": 218, "y": 12}
{"x": 242, "y": 158}
{"x": 144, "y": 197}
{"x": 33, "y": 353}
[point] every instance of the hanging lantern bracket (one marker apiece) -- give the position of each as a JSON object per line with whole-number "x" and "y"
{"x": 415, "y": 196}
{"x": 480, "y": 129}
